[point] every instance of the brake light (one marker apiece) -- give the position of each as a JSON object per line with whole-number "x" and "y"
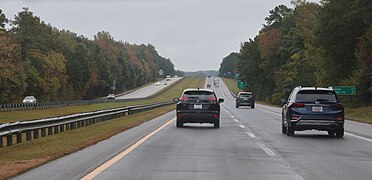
{"x": 297, "y": 105}
{"x": 296, "y": 117}
{"x": 215, "y": 115}
{"x": 212, "y": 99}
{"x": 337, "y": 106}
{"x": 183, "y": 99}
{"x": 339, "y": 118}
{"x": 180, "y": 115}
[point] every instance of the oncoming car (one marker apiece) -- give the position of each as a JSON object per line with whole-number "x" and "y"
{"x": 29, "y": 100}
{"x": 111, "y": 96}
{"x": 198, "y": 106}
{"x": 315, "y": 108}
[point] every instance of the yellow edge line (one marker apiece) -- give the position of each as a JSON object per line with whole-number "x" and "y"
{"x": 112, "y": 161}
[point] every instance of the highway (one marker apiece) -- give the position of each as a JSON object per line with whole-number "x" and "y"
{"x": 148, "y": 90}
{"x": 249, "y": 145}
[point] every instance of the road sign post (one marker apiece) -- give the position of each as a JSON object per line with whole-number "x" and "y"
{"x": 344, "y": 90}
{"x": 242, "y": 84}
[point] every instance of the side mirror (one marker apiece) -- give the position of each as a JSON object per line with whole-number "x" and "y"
{"x": 283, "y": 101}
{"x": 176, "y": 100}
{"x": 221, "y": 100}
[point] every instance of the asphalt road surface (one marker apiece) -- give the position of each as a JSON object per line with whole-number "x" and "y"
{"x": 149, "y": 90}
{"x": 249, "y": 145}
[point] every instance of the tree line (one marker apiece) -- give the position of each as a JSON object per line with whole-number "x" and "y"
{"x": 54, "y": 65}
{"x": 312, "y": 44}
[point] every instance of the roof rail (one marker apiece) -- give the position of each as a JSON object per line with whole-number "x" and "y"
{"x": 330, "y": 87}
{"x": 299, "y": 87}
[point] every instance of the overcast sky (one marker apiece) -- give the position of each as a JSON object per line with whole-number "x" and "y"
{"x": 194, "y": 34}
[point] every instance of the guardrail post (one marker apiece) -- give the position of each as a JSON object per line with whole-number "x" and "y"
{"x": 61, "y": 128}
{"x": 55, "y": 129}
{"x": 43, "y": 132}
{"x": 9, "y": 139}
{"x": 1, "y": 141}
{"x": 50, "y": 131}
{"x": 19, "y": 137}
{"x": 28, "y": 135}
{"x": 36, "y": 133}
{"x": 72, "y": 124}
{"x": 67, "y": 126}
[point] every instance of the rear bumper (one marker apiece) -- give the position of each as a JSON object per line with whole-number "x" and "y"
{"x": 316, "y": 124}
{"x": 198, "y": 116}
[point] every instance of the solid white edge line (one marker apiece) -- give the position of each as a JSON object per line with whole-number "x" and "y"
{"x": 268, "y": 151}
{"x": 124, "y": 153}
{"x": 360, "y": 137}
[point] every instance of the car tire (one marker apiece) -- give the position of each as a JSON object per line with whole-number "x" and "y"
{"x": 340, "y": 132}
{"x": 284, "y": 129}
{"x": 179, "y": 124}
{"x": 252, "y": 106}
{"x": 216, "y": 124}
{"x": 237, "y": 105}
{"x": 290, "y": 131}
{"x": 331, "y": 133}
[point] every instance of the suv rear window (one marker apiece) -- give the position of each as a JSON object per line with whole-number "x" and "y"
{"x": 316, "y": 95}
{"x": 245, "y": 95}
{"x": 199, "y": 95}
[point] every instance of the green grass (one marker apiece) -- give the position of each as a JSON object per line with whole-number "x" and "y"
{"x": 232, "y": 85}
{"x": 361, "y": 114}
{"x": 15, "y": 159}
{"x": 168, "y": 95}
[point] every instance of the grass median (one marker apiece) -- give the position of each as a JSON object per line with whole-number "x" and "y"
{"x": 167, "y": 95}
{"x": 361, "y": 114}
{"x": 22, "y": 157}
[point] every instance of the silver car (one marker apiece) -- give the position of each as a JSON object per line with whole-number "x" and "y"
{"x": 29, "y": 100}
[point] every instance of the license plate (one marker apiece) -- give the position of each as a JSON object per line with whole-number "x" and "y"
{"x": 198, "y": 106}
{"x": 317, "y": 109}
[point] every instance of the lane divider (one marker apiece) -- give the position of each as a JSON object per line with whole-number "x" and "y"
{"x": 112, "y": 161}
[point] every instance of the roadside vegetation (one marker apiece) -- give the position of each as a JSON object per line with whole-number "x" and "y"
{"x": 167, "y": 95}
{"x": 360, "y": 114}
{"x": 309, "y": 44}
{"x": 15, "y": 160}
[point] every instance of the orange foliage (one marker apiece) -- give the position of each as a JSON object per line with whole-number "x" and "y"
{"x": 269, "y": 41}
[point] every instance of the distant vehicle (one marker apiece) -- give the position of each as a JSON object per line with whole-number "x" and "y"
{"x": 157, "y": 84}
{"x": 167, "y": 79}
{"x": 208, "y": 86}
{"x": 175, "y": 76}
{"x": 216, "y": 82}
{"x": 165, "y": 83}
{"x": 111, "y": 96}
{"x": 244, "y": 99}
{"x": 315, "y": 108}
{"x": 29, "y": 100}
{"x": 198, "y": 106}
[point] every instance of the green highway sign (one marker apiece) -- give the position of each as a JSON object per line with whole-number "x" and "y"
{"x": 242, "y": 84}
{"x": 345, "y": 90}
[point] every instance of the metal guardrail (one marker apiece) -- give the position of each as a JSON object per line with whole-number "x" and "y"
{"x": 46, "y": 105}
{"x": 28, "y": 130}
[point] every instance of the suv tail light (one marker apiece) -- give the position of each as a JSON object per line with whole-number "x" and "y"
{"x": 339, "y": 118}
{"x": 337, "y": 107}
{"x": 297, "y": 105}
{"x": 212, "y": 99}
{"x": 296, "y": 117}
{"x": 183, "y": 99}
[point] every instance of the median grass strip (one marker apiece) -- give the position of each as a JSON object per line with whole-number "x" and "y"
{"x": 168, "y": 95}
{"x": 361, "y": 114}
{"x": 22, "y": 157}
{"x": 25, "y": 156}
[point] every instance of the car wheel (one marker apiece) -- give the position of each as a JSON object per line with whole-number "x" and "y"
{"x": 252, "y": 106}
{"x": 331, "y": 133}
{"x": 237, "y": 105}
{"x": 290, "y": 131}
{"x": 217, "y": 124}
{"x": 284, "y": 129}
{"x": 179, "y": 124}
{"x": 340, "y": 132}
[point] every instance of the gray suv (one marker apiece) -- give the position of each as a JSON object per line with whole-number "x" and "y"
{"x": 244, "y": 99}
